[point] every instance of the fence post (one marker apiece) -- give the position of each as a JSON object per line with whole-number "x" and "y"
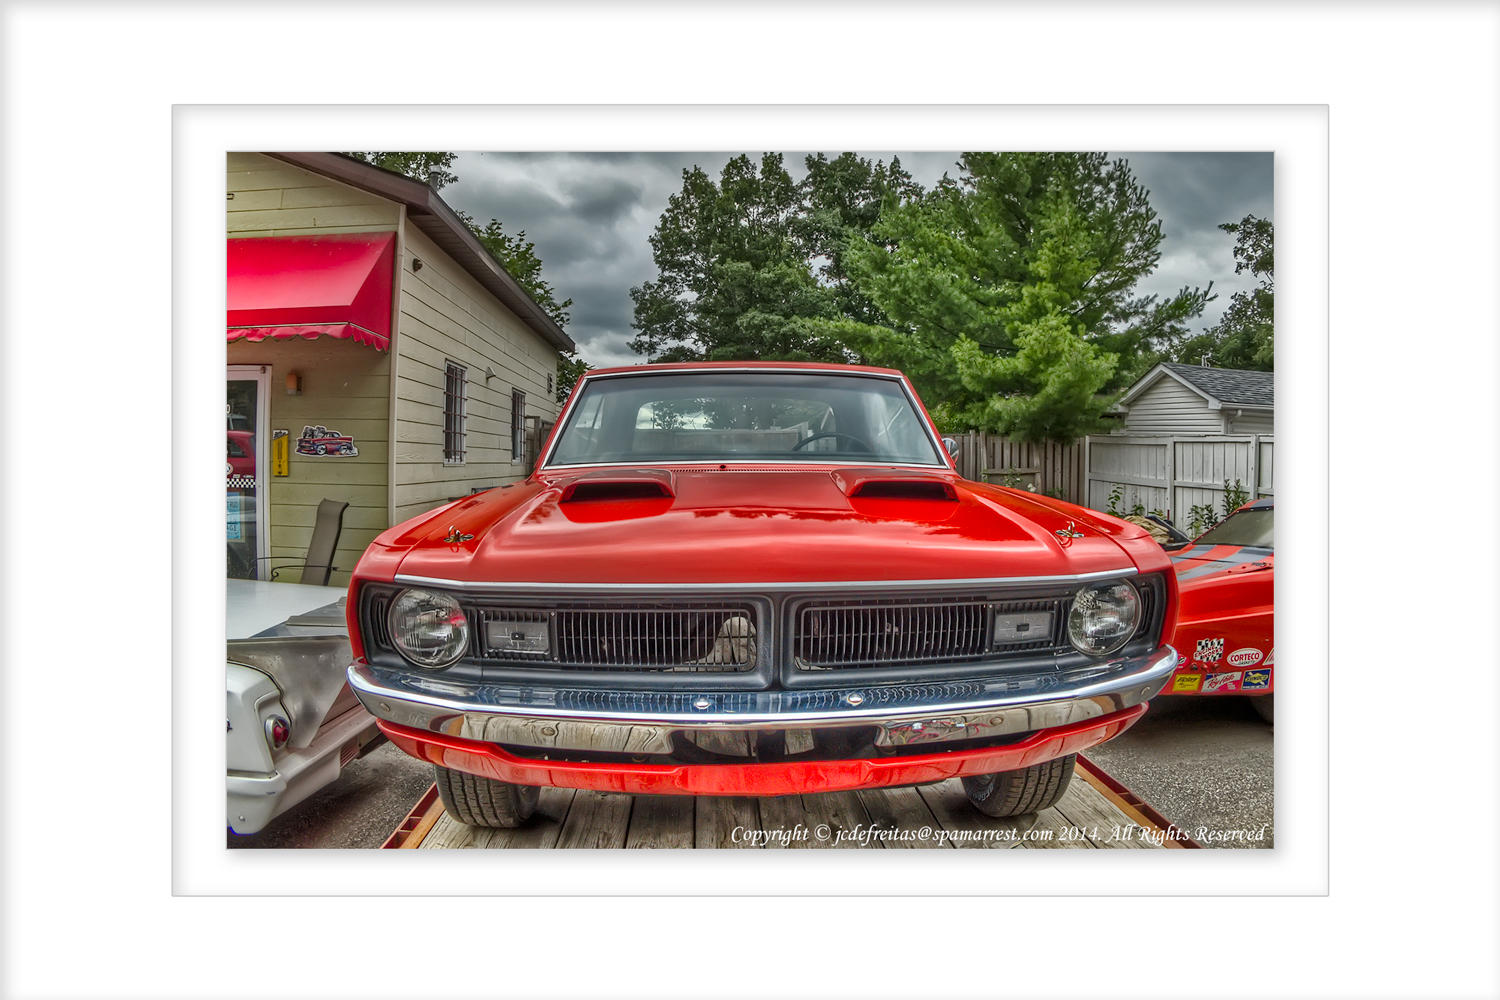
{"x": 1254, "y": 467}
{"x": 1171, "y": 479}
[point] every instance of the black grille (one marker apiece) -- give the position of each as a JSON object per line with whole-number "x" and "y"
{"x": 914, "y": 631}
{"x": 700, "y": 638}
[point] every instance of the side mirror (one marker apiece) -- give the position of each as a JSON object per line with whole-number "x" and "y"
{"x": 952, "y": 445}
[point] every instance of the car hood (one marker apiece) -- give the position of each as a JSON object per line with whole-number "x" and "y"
{"x": 1218, "y": 580}
{"x": 1203, "y": 562}
{"x": 756, "y": 525}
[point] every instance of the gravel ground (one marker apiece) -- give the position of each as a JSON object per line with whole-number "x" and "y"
{"x": 370, "y": 798}
{"x": 1203, "y": 763}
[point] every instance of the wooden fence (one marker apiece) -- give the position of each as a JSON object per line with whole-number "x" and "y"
{"x": 1175, "y": 474}
{"x": 1054, "y": 469}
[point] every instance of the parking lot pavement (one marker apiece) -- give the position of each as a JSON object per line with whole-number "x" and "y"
{"x": 1201, "y": 762}
{"x": 369, "y": 800}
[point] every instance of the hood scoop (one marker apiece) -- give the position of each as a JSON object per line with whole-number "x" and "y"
{"x": 885, "y": 486}
{"x": 640, "y": 484}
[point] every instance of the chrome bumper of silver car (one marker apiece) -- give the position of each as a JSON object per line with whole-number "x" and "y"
{"x": 645, "y": 722}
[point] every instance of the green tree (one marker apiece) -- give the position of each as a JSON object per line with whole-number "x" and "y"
{"x": 430, "y": 168}
{"x": 732, "y": 271}
{"x": 1244, "y": 337}
{"x": 570, "y": 368}
{"x": 1010, "y": 292}
{"x": 842, "y": 198}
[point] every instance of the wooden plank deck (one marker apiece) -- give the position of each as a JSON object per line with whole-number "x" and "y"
{"x": 1089, "y": 816}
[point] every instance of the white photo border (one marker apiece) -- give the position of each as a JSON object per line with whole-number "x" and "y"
{"x": 1413, "y": 98}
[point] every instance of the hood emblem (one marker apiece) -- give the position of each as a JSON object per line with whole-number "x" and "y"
{"x": 455, "y": 536}
{"x": 1068, "y": 534}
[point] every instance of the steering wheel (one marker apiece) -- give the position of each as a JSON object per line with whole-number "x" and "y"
{"x": 832, "y": 434}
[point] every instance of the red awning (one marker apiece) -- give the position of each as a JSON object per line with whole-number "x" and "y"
{"x": 312, "y": 286}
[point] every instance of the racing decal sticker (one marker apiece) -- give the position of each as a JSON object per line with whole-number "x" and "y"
{"x": 1186, "y": 682}
{"x": 319, "y": 440}
{"x": 1182, "y": 659}
{"x": 1270, "y": 658}
{"x": 1245, "y": 656}
{"x": 1221, "y": 683}
{"x": 1255, "y": 680}
{"x": 1209, "y": 650}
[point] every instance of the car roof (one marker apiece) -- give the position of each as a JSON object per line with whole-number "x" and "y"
{"x": 691, "y": 366}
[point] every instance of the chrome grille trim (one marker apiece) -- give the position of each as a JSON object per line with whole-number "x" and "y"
{"x": 915, "y": 630}
{"x": 698, "y": 637}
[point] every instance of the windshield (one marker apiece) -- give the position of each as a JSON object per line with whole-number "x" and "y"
{"x": 743, "y": 416}
{"x": 1245, "y": 527}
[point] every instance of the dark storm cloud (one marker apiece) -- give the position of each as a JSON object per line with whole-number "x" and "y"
{"x": 1193, "y": 193}
{"x": 590, "y": 215}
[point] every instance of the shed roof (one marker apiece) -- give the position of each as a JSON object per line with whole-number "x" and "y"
{"x": 1226, "y": 386}
{"x": 429, "y": 213}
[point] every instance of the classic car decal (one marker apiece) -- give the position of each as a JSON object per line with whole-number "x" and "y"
{"x": 1270, "y": 658}
{"x": 1221, "y": 683}
{"x": 1245, "y": 656}
{"x": 319, "y": 440}
{"x": 1186, "y": 682}
{"x": 1209, "y": 650}
{"x": 1256, "y": 680}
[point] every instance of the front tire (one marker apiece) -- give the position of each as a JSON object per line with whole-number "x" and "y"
{"x": 1015, "y": 793}
{"x": 484, "y": 801}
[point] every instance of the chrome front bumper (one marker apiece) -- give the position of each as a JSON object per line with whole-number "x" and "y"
{"x": 645, "y": 722}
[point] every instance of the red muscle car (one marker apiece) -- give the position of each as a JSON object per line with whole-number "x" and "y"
{"x": 1226, "y": 582}
{"x": 755, "y": 579}
{"x": 241, "y": 454}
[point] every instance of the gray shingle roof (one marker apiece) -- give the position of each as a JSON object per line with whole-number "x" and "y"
{"x": 1229, "y": 385}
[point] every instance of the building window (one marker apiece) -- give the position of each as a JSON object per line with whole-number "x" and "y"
{"x": 517, "y": 425}
{"x": 455, "y": 412}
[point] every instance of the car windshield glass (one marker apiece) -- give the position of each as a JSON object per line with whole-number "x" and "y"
{"x": 756, "y": 416}
{"x": 1245, "y": 527}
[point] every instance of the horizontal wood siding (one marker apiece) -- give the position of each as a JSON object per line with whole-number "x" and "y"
{"x": 1169, "y": 407}
{"x": 344, "y": 388}
{"x": 1251, "y": 422}
{"x": 445, "y": 315}
{"x": 271, "y": 198}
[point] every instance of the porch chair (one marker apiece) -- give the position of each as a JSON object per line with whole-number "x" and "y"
{"x": 327, "y": 527}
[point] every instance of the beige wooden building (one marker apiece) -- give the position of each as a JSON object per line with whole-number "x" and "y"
{"x": 403, "y": 364}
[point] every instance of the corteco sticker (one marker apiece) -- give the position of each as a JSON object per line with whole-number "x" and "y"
{"x": 1186, "y": 682}
{"x": 1221, "y": 683}
{"x": 1209, "y": 650}
{"x": 1246, "y": 656}
{"x": 1256, "y": 680}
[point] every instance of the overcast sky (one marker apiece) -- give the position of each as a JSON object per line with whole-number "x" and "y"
{"x": 590, "y": 214}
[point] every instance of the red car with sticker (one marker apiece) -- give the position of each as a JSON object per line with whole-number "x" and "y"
{"x": 755, "y": 579}
{"x": 1226, "y": 581}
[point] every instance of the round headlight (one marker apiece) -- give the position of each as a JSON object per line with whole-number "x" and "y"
{"x": 429, "y": 628}
{"x": 1104, "y": 617}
